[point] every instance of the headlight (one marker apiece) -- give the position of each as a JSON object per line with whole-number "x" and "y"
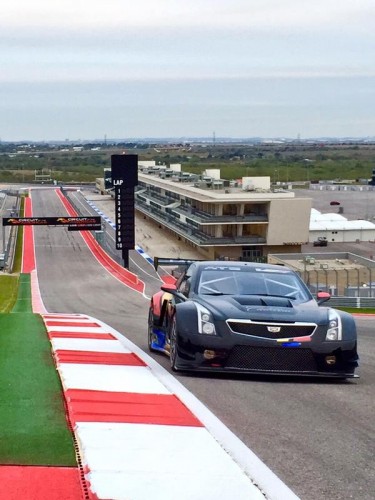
{"x": 205, "y": 321}
{"x": 334, "y": 331}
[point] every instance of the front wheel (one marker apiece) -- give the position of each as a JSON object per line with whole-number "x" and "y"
{"x": 173, "y": 344}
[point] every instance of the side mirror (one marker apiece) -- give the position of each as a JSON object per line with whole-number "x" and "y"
{"x": 169, "y": 288}
{"x": 322, "y": 297}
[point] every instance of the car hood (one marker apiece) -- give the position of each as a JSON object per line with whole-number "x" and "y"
{"x": 261, "y": 308}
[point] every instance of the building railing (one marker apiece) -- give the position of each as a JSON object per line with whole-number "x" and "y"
{"x": 156, "y": 198}
{"x": 193, "y": 233}
{"x": 204, "y": 217}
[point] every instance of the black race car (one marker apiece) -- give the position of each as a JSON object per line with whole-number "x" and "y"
{"x": 249, "y": 317}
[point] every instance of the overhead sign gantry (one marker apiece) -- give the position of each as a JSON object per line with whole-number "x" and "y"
{"x": 73, "y": 223}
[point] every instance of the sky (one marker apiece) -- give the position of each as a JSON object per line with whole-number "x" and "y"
{"x": 125, "y": 69}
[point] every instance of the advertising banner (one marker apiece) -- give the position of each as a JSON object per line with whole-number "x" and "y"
{"x": 81, "y": 223}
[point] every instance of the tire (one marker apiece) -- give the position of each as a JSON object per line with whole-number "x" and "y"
{"x": 173, "y": 344}
{"x": 150, "y": 330}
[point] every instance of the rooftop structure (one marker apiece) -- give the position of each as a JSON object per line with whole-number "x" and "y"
{"x": 340, "y": 273}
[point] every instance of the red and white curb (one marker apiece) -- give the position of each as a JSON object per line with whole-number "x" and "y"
{"x": 140, "y": 433}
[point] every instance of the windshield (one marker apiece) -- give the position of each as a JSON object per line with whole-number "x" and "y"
{"x": 242, "y": 281}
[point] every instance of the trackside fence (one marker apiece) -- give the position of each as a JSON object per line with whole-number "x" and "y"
{"x": 355, "y": 302}
{"x": 106, "y": 242}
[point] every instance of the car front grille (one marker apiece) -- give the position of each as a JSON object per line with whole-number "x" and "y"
{"x": 271, "y": 359}
{"x": 283, "y": 330}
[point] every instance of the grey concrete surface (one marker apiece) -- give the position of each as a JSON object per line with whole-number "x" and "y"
{"x": 149, "y": 236}
{"x": 354, "y": 203}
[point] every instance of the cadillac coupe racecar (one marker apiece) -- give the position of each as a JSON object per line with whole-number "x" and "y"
{"x": 249, "y": 318}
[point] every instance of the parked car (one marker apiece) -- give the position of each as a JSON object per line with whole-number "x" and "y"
{"x": 320, "y": 242}
{"x": 249, "y": 317}
{"x": 2, "y": 261}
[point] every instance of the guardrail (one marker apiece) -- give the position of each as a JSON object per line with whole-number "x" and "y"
{"x": 10, "y": 234}
{"x": 355, "y": 302}
{"x": 104, "y": 241}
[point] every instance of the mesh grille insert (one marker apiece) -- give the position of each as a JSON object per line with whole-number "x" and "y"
{"x": 271, "y": 359}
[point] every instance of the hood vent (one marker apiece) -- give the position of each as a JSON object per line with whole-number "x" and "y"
{"x": 265, "y": 300}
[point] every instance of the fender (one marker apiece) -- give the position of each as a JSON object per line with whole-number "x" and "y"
{"x": 159, "y": 306}
{"x": 156, "y": 303}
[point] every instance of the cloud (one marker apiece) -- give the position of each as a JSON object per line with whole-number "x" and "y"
{"x": 190, "y": 55}
{"x": 147, "y": 54}
{"x": 214, "y": 14}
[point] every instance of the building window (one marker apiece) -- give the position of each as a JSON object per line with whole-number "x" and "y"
{"x": 250, "y": 253}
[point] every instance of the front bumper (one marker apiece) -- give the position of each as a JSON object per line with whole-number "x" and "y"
{"x": 243, "y": 354}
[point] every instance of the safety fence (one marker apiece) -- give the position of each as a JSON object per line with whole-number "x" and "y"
{"x": 355, "y": 302}
{"x": 9, "y": 234}
{"x": 104, "y": 237}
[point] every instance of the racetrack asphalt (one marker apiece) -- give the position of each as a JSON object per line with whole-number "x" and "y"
{"x": 120, "y": 444}
{"x": 317, "y": 436}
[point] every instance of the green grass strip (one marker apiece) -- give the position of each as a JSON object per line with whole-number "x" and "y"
{"x": 33, "y": 426}
{"x": 357, "y": 310}
{"x": 8, "y": 291}
{"x": 17, "y": 262}
{"x": 23, "y": 303}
